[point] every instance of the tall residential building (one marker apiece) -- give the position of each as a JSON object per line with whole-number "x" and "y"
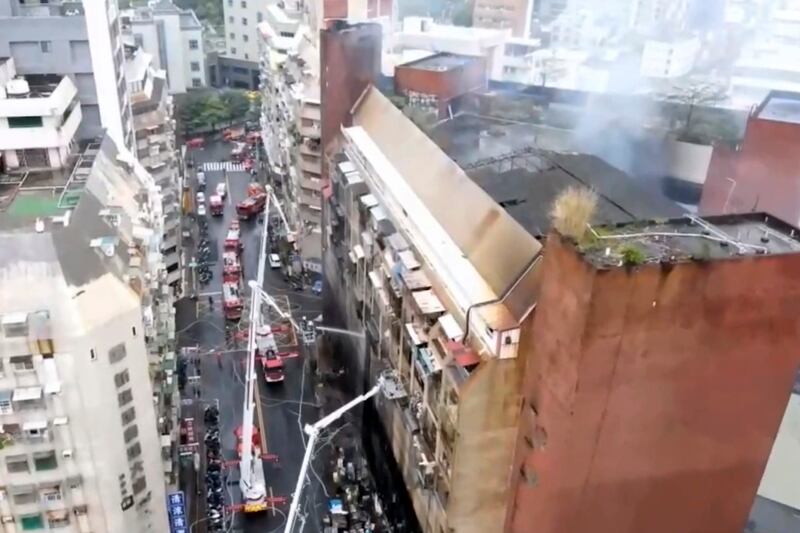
{"x": 173, "y": 37}
{"x": 155, "y": 147}
{"x": 80, "y": 277}
{"x": 238, "y": 66}
{"x": 503, "y": 14}
{"x": 80, "y": 40}
{"x": 39, "y": 119}
{"x": 291, "y": 123}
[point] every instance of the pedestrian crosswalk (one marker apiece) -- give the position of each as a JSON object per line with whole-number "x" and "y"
{"x": 219, "y": 166}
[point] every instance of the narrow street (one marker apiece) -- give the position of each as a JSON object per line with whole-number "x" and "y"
{"x": 284, "y": 407}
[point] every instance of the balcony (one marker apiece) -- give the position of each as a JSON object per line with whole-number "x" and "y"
{"x": 311, "y": 165}
{"x": 309, "y": 128}
{"x": 46, "y": 136}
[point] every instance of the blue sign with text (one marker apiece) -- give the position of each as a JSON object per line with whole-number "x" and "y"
{"x": 176, "y": 507}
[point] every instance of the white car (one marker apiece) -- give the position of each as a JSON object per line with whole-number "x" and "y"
{"x": 221, "y": 190}
{"x": 201, "y": 210}
{"x": 201, "y": 198}
{"x": 274, "y": 261}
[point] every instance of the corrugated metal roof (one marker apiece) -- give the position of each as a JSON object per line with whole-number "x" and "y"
{"x": 500, "y": 249}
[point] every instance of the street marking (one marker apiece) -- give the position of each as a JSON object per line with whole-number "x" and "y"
{"x": 230, "y": 166}
{"x": 215, "y": 293}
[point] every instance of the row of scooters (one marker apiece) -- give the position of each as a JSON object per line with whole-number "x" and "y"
{"x": 215, "y": 480}
{"x": 204, "y": 273}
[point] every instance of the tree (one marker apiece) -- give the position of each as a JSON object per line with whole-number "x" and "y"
{"x": 236, "y": 102}
{"x": 693, "y": 93}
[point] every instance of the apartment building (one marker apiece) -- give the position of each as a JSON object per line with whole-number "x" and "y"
{"x": 503, "y": 14}
{"x": 173, "y": 37}
{"x": 440, "y": 310}
{"x": 291, "y": 123}
{"x": 155, "y": 145}
{"x": 80, "y": 40}
{"x": 81, "y": 279}
{"x": 669, "y": 58}
{"x": 39, "y": 118}
{"x": 239, "y": 66}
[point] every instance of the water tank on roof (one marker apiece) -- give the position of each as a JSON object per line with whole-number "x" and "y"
{"x": 18, "y": 87}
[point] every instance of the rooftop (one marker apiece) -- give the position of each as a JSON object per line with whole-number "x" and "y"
{"x": 39, "y": 85}
{"x": 690, "y": 238}
{"x": 30, "y": 194}
{"x": 781, "y": 107}
{"x": 441, "y": 62}
{"x": 527, "y": 192}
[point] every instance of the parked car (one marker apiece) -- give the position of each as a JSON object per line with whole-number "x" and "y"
{"x": 201, "y": 198}
{"x": 274, "y": 261}
{"x": 316, "y": 288}
{"x": 201, "y": 180}
{"x": 201, "y": 210}
{"x": 221, "y": 190}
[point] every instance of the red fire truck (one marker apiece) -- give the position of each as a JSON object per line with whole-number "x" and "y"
{"x": 216, "y": 205}
{"x": 231, "y": 300}
{"x": 231, "y": 267}
{"x": 267, "y": 350}
{"x": 232, "y": 241}
{"x": 251, "y": 206}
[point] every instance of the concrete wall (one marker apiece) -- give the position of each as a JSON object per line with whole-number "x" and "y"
{"x": 69, "y": 54}
{"x": 351, "y": 55}
{"x": 653, "y": 395}
{"x": 764, "y": 169}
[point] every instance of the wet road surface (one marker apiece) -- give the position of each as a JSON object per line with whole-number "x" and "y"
{"x": 284, "y": 407}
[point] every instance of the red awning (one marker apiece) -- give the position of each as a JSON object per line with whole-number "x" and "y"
{"x": 464, "y": 356}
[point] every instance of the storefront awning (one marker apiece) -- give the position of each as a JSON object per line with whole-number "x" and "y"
{"x": 427, "y": 302}
{"x": 408, "y": 260}
{"x": 34, "y": 425}
{"x": 23, "y": 394}
{"x": 450, "y": 327}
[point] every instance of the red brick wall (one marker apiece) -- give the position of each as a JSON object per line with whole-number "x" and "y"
{"x": 765, "y": 171}
{"x": 350, "y": 56}
{"x": 657, "y": 393}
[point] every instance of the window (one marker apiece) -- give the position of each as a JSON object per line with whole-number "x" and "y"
{"x": 245, "y": 38}
{"x": 17, "y": 463}
{"x": 24, "y": 122}
{"x": 122, "y": 378}
{"x": 230, "y": 19}
{"x": 196, "y": 82}
{"x": 22, "y": 363}
{"x": 244, "y": 21}
{"x": 133, "y": 330}
{"x": 287, "y": 34}
{"x": 24, "y": 495}
{"x": 193, "y": 45}
{"x": 44, "y": 461}
{"x": 131, "y": 433}
{"x": 134, "y": 451}
{"x": 233, "y": 36}
{"x": 51, "y": 494}
{"x": 6, "y": 407}
{"x": 195, "y": 66}
{"x": 117, "y": 353}
{"x": 128, "y": 416}
{"x": 230, "y": 3}
{"x": 244, "y": 4}
{"x": 247, "y": 56}
{"x": 58, "y": 518}
{"x": 46, "y": 46}
{"x": 125, "y": 397}
{"x": 31, "y": 522}
{"x": 259, "y": 17}
{"x": 233, "y": 50}
{"x": 92, "y": 355}
{"x": 139, "y": 485}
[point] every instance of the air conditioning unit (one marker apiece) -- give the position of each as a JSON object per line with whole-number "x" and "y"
{"x": 66, "y": 454}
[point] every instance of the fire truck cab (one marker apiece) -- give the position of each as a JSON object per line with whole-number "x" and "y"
{"x": 231, "y": 267}
{"x": 267, "y": 349}
{"x": 251, "y": 206}
{"x": 231, "y": 300}
{"x": 232, "y": 241}
{"x": 216, "y": 205}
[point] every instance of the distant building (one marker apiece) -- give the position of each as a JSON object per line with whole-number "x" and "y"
{"x": 83, "y": 446}
{"x": 504, "y": 14}
{"x": 39, "y": 119}
{"x": 669, "y": 58}
{"x": 761, "y": 173}
{"x": 439, "y": 81}
{"x": 174, "y": 39}
{"x": 80, "y": 40}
